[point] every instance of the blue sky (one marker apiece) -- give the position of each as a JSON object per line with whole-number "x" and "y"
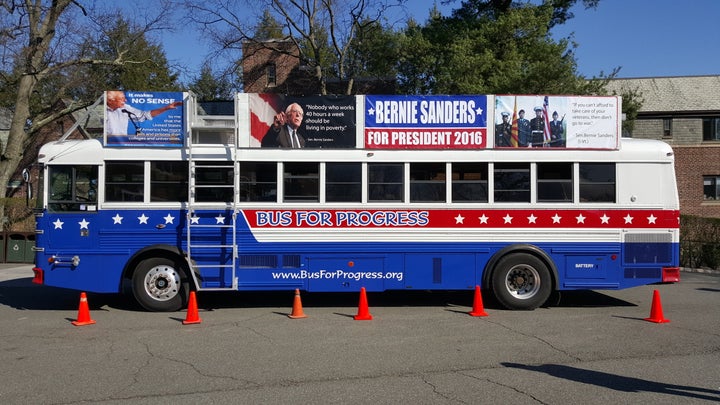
{"x": 643, "y": 37}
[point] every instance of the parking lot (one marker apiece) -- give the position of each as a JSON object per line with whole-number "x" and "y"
{"x": 420, "y": 347}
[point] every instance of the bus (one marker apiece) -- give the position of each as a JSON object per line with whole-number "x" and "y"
{"x": 389, "y": 193}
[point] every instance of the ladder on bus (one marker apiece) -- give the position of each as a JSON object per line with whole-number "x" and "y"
{"x": 211, "y": 237}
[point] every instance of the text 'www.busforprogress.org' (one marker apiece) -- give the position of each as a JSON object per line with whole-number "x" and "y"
{"x": 338, "y": 275}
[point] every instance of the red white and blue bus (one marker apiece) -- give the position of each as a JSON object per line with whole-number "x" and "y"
{"x": 388, "y": 193}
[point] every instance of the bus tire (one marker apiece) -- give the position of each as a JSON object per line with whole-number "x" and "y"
{"x": 160, "y": 285}
{"x": 521, "y": 281}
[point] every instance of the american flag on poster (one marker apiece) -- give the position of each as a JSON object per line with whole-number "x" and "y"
{"x": 546, "y": 129}
{"x": 263, "y": 108}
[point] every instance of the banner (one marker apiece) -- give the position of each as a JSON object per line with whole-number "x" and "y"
{"x": 278, "y": 121}
{"x": 134, "y": 118}
{"x": 573, "y": 122}
{"x": 426, "y": 122}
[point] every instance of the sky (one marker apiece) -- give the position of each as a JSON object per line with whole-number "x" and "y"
{"x": 644, "y": 38}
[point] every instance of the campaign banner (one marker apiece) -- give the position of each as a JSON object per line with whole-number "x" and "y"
{"x": 279, "y": 121}
{"x": 426, "y": 122}
{"x": 141, "y": 118}
{"x": 541, "y": 121}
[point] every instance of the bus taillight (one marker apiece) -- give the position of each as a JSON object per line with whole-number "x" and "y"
{"x": 39, "y": 276}
{"x": 670, "y": 274}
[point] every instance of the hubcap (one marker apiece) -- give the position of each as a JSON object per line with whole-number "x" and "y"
{"x": 162, "y": 283}
{"x": 523, "y": 281}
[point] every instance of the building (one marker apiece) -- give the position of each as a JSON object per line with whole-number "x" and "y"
{"x": 683, "y": 111}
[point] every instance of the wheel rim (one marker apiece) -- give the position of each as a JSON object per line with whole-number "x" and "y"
{"x": 523, "y": 281}
{"x": 162, "y": 283}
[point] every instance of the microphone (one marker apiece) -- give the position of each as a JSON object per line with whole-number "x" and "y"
{"x": 132, "y": 117}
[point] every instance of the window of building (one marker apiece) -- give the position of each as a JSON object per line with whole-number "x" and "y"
{"x": 301, "y": 181}
{"x": 711, "y": 188}
{"x": 597, "y": 182}
{"x": 343, "y": 182}
{"x": 258, "y": 181}
{"x": 554, "y": 182}
{"x": 385, "y": 182}
{"x": 667, "y": 127}
{"x": 711, "y": 129}
{"x": 271, "y": 73}
{"x": 427, "y": 182}
{"x": 470, "y": 182}
{"x": 512, "y": 182}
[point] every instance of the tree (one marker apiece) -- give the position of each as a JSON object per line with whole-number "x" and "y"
{"x": 323, "y": 31}
{"x": 208, "y": 87}
{"x": 46, "y": 47}
{"x": 493, "y": 46}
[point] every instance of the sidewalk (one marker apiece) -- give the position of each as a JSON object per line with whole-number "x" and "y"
{"x": 12, "y": 271}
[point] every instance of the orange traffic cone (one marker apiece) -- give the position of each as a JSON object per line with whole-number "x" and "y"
{"x": 656, "y": 312}
{"x": 363, "y": 311}
{"x": 478, "y": 309}
{"x": 192, "y": 311}
{"x": 297, "y": 309}
{"x": 83, "y": 312}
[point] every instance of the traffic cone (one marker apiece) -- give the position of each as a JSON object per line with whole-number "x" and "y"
{"x": 83, "y": 317}
{"x": 478, "y": 309}
{"x": 297, "y": 309}
{"x": 656, "y": 312}
{"x": 363, "y": 311}
{"x": 192, "y": 311}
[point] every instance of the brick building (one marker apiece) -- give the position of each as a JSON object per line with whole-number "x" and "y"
{"x": 684, "y": 112}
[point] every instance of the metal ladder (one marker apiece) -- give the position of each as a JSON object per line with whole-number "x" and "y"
{"x": 222, "y": 238}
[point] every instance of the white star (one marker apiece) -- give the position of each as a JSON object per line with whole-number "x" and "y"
{"x": 556, "y": 219}
{"x": 531, "y": 219}
{"x": 479, "y": 111}
{"x": 483, "y": 219}
{"x": 84, "y": 224}
{"x": 605, "y": 219}
{"x": 459, "y": 219}
{"x": 508, "y": 219}
{"x": 580, "y": 219}
{"x": 195, "y": 220}
{"x": 651, "y": 219}
{"x": 58, "y": 223}
{"x": 628, "y": 219}
{"x": 143, "y": 219}
{"x": 220, "y": 219}
{"x": 117, "y": 219}
{"x": 371, "y": 111}
{"x": 169, "y": 219}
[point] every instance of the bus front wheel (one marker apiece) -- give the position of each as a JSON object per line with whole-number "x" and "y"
{"x": 160, "y": 285}
{"x": 521, "y": 281}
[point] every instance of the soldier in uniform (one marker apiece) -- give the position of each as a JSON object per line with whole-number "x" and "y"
{"x": 523, "y": 130}
{"x": 557, "y": 138}
{"x": 537, "y": 128}
{"x": 503, "y": 132}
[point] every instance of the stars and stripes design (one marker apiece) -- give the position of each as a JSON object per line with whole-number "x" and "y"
{"x": 460, "y": 219}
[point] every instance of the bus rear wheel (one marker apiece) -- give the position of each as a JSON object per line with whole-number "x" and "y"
{"x": 160, "y": 285}
{"x": 521, "y": 281}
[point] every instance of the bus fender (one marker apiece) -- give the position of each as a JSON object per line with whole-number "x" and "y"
{"x": 157, "y": 250}
{"x": 519, "y": 248}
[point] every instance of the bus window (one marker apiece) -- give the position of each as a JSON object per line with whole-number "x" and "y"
{"x": 168, "y": 181}
{"x": 597, "y": 182}
{"x": 214, "y": 182}
{"x": 427, "y": 182}
{"x": 124, "y": 181}
{"x": 72, "y": 188}
{"x": 343, "y": 182}
{"x": 302, "y": 181}
{"x": 555, "y": 182}
{"x": 258, "y": 181}
{"x": 469, "y": 182}
{"x": 512, "y": 182}
{"x": 385, "y": 182}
